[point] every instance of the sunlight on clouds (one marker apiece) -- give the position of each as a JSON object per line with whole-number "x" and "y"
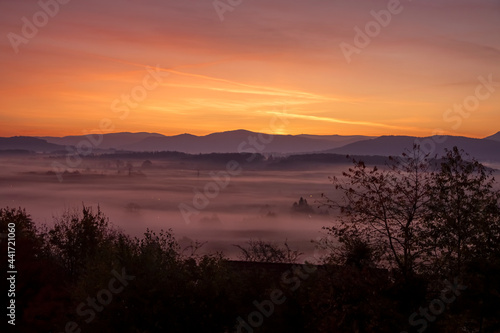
{"x": 340, "y": 121}
{"x": 223, "y": 76}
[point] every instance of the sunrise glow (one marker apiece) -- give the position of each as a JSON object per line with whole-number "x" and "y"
{"x": 261, "y": 59}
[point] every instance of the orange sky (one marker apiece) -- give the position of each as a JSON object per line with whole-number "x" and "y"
{"x": 264, "y": 58}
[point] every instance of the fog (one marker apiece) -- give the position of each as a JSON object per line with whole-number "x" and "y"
{"x": 255, "y": 204}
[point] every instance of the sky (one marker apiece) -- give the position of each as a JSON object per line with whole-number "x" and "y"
{"x": 366, "y": 67}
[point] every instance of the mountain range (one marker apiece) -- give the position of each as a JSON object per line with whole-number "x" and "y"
{"x": 495, "y": 137}
{"x": 223, "y": 142}
{"x": 486, "y": 149}
{"x": 28, "y": 143}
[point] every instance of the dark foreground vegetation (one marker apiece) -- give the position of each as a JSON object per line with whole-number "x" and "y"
{"x": 417, "y": 249}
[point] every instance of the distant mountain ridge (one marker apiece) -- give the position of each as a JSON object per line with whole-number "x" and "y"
{"x": 487, "y": 149}
{"x": 221, "y": 142}
{"x": 28, "y": 143}
{"x": 110, "y": 140}
{"x": 494, "y": 137}
{"x": 482, "y": 149}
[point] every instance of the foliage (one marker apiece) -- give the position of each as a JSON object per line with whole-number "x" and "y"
{"x": 302, "y": 207}
{"x": 433, "y": 224}
{"x": 262, "y": 251}
{"x": 24, "y": 225}
{"x": 464, "y": 219}
{"x": 77, "y": 238}
{"x": 385, "y": 208}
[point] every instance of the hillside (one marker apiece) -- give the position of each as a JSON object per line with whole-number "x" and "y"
{"x": 494, "y": 137}
{"x": 222, "y": 142}
{"x": 481, "y": 149}
{"x": 29, "y": 144}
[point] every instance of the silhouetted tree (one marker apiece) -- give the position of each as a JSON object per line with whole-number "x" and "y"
{"x": 146, "y": 164}
{"x": 262, "y": 251}
{"x": 464, "y": 213}
{"x": 41, "y": 294}
{"x": 302, "y": 207}
{"x": 385, "y": 208}
{"x": 77, "y": 238}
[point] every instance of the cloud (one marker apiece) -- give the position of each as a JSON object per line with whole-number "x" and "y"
{"x": 264, "y": 51}
{"x": 341, "y": 121}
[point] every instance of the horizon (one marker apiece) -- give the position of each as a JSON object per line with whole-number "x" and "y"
{"x": 237, "y": 130}
{"x": 194, "y": 68}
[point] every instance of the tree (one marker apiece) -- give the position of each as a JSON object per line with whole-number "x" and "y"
{"x": 261, "y": 251}
{"x": 464, "y": 219}
{"x": 146, "y": 164}
{"x": 464, "y": 231}
{"x": 24, "y": 226}
{"x": 77, "y": 238}
{"x": 385, "y": 208}
{"x": 302, "y": 207}
{"x": 40, "y": 286}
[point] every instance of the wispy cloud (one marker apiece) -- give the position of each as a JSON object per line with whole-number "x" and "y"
{"x": 222, "y": 74}
{"x": 341, "y": 121}
{"x": 255, "y": 89}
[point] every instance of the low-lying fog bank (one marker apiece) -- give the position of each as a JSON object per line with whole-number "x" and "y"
{"x": 214, "y": 203}
{"x": 207, "y": 205}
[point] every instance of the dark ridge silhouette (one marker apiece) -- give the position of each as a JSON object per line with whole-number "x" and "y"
{"x": 221, "y": 142}
{"x": 179, "y": 156}
{"x": 487, "y": 149}
{"x": 255, "y": 161}
{"x": 494, "y": 137}
{"x": 329, "y": 159}
{"x": 15, "y": 152}
{"x": 481, "y": 149}
{"x": 109, "y": 141}
{"x": 28, "y": 143}
{"x": 240, "y": 140}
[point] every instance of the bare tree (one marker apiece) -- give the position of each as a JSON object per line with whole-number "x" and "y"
{"x": 465, "y": 219}
{"x": 384, "y": 209}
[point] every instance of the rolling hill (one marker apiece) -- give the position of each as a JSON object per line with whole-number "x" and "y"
{"x": 109, "y": 141}
{"x": 29, "y": 143}
{"x": 494, "y": 137}
{"x": 481, "y": 149}
{"x": 223, "y": 142}
{"x": 487, "y": 149}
